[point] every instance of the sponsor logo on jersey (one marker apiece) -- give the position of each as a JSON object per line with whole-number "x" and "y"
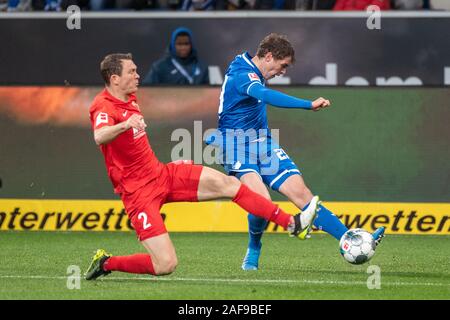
{"x": 102, "y": 117}
{"x": 137, "y": 133}
{"x": 253, "y": 77}
{"x": 237, "y": 165}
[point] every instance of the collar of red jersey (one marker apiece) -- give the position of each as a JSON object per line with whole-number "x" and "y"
{"x": 130, "y": 104}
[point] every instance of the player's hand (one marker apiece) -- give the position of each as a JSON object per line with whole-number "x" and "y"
{"x": 320, "y": 103}
{"x": 136, "y": 121}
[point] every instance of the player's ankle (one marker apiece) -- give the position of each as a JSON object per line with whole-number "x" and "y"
{"x": 291, "y": 225}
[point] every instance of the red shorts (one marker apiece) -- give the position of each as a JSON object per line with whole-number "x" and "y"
{"x": 178, "y": 182}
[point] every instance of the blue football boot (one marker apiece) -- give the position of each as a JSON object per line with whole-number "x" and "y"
{"x": 378, "y": 235}
{"x": 251, "y": 259}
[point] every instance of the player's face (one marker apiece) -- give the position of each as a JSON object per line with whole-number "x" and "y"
{"x": 183, "y": 46}
{"x": 276, "y": 67}
{"x": 129, "y": 80}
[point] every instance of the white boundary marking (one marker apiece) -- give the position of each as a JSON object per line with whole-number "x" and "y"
{"x": 222, "y": 14}
{"x": 256, "y": 281}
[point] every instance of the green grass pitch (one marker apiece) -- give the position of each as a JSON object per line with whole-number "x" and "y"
{"x": 34, "y": 265}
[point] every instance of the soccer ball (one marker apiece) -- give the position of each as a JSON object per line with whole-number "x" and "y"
{"x": 357, "y": 246}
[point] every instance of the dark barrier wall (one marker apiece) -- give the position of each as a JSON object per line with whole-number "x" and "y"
{"x": 417, "y": 50}
{"x": 371, "y": 145}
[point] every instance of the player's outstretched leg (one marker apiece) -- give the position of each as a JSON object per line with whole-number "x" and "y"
{"x": 215, "y": 185}
{"x": 302, "y": 230}
{"x": 307, "y": 218}
{"x": 160, "y": 260}
{"x": 256, "y": 227}
{"x": 95, "y": 269}
{"x": 378, "y": 235}
{"x": 327, "y": 221}
{"x": 295, "y": 189}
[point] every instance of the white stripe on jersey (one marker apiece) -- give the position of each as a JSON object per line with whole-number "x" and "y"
{"x": 246, "y": 60}
{"x": 282, "y": 174}
{"x": 222, "y": 94}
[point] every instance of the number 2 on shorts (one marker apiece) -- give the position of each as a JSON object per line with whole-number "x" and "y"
{"x": 144, "y": 217}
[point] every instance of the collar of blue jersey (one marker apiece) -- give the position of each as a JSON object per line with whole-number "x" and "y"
{"x": 248, "y": 58}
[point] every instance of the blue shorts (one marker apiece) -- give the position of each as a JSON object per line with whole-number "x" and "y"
{"x": 262, "y": 156}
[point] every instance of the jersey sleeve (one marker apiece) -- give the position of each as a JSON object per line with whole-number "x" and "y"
{"x": 102, "y": 115}
{"x": 244, "y": 81}
{"x": 278, "y": 99}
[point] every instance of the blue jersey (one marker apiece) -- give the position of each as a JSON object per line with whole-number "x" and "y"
{"x": 243, "y": 114}
{"x": 237, "y": 109}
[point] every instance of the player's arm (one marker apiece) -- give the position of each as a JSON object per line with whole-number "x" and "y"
{"x": 282, "y": 100}
{"x": 106, "y": 134}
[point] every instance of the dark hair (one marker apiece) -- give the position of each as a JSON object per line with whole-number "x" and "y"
{"x": 112, "y": 64}
{"x": 278, "y": 45}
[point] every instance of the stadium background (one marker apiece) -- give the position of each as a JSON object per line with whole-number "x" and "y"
{"x": 378, "y": 156}
{"x": 382, "y": 148}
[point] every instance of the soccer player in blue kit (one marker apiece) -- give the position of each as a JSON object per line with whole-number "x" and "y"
{"x": 247, "y": 148}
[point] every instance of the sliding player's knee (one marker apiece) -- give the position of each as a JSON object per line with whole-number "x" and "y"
{"x": 166, "y": 265}
{"x": 230, "y": 186}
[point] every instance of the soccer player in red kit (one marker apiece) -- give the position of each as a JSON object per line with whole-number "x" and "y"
{"x": 145, "y": 184}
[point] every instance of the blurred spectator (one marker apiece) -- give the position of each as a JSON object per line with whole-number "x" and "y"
{"x": 309, "y": 4}
{"x": 96, "y": 5}
{"x": 180, "y": 65}
{"x": 190, "y": 5}
{"x": 82, "y": 4}
{"x": 264, "y": 4}
{"x": 408, "y": 4}
{"x": 323, "y": 4}
{"x": 170, "y": 4}
{"x": 137, "y": 4}
{"x": 235, "y": 4}
{"x": 52, "y": 5}
{"x": 440, "y": 4}
{"x": 3, "y": 5}
{"x": 19, "y": 5}
{"x": 38, "y": 5}
{"x": 361, "y": 4}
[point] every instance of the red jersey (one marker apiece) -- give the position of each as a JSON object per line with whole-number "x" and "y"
{"x": 130, "y": 160}
{"x": 361, "y": 4}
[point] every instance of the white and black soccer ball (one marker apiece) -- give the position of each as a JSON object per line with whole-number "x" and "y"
{"x": 357, "y": 246}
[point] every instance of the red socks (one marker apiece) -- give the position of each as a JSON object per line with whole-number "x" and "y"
{"x": 261, "y": 207}
{"x": 136, "y": 263}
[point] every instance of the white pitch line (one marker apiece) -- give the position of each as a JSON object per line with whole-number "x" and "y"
{"x": 256, "y": 281}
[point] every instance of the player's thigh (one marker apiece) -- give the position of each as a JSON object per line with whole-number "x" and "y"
{"x": 147, "y": 220}
{"x": 185, "y": 179}
{"x": 255, "y": 183}
{"x": 162, "y": 252}
{"x": 215, "y": 185}
{"x": 143, "y": 210}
